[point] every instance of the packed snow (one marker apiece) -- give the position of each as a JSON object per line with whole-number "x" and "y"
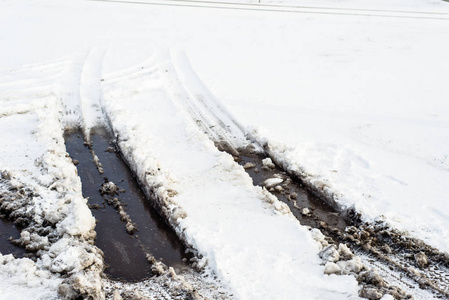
{"x": 350, "y": 96}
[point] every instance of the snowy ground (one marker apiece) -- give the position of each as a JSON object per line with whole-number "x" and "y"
{"x": 352, "y": 99}
{"x": 41, "y": 191}
{"x": 358, "y": 106}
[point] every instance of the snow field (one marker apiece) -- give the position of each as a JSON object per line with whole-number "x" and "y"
{"x": 356, "y": 104}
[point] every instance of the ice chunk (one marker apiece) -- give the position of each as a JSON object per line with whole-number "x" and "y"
{"x": 271, "y": 182}
{"x": 108, "y": 187}
{"x": 421, "y": 260}
{"x": 306, "y": 212}
{"x": 345, "y": 252}
{"x": 354, "y": 265}
{"x": 331, "y": 268}
{"x": 329, "y": 253}
{"x": 249, "y": 165}
{"x": 268, "y": 163}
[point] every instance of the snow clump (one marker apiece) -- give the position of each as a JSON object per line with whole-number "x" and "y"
{"x": 268, "y": 163}
{"x": 340, "y": 260}
{"x": 272, "y": 182}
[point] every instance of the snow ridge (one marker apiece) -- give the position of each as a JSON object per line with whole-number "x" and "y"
{"x": 244, "y": 235}
{"x": 40, "y": 190}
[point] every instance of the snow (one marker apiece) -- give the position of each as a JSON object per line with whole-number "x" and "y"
{"x": 234, "y": 225}
{"x": 39, "y": 183}
{"x": 21, "y": 279}
{"x": 366, "y": 5}
{"x": 351, "y": 96}
{"x": 271, "y": 182}
{"x": 358, "y": 107}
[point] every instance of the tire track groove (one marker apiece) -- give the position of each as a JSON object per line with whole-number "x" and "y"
{"x": 365, "y": 239}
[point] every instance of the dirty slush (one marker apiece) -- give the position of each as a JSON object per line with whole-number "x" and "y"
{"x": 129, "y": 231}
{"x": 371, "y": 252}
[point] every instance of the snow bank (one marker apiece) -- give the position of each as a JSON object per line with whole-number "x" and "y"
{"x": 40, "y": 191}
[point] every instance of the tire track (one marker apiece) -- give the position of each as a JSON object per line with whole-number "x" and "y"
{"x": 411, "y": 265}
{"x": 28, "y": 88}
{"x": 67, "y": 89}
{"x": 90, "y": 91}
{"x": 186, "y": 282}
{"x": 52, "y": 67}
{"x": 201, "y": 106}
{"x": 80, "y": 91}
{"x": 37, "y": 206}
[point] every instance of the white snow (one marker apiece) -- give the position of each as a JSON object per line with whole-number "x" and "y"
{"x": 40, "y": 183}
{"x": 22, "y": 279}
{"x": 267, "y": 162}
{"x": 247, "y": 237}
{"x": 357, "y": 105}
{"x": 271, "y": 182}
{"x": 351, "y": 95}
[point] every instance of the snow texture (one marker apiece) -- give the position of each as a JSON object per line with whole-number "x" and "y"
{"x": 40, "y": 191}
{"x": 245, "y": 235}
{"x": 349, "y": 95}
{"x": 356, "y": 106}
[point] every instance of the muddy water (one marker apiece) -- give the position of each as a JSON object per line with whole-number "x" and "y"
{"x": 125, "y": 254}
{"x": 9, "y": 231}
{"x": 293, "y": 194}
{"x": 415, "y": 268}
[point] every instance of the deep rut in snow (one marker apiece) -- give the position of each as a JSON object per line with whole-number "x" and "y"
{"x": 307, "y": 209}
{"x": 407, "y": 265}
{"x": 128, "y": 228}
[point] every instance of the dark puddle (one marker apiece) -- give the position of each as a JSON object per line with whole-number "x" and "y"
{"x": 9, "y": 232}
{"x": 309, "y": 210}
{"x": 125, "y": 253}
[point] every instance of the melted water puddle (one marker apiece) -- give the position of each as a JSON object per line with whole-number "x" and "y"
{"x": 9, "y": 232}
{"x": 125, "y": 249}
{"x": 386, "y": 250}
{"x": 308, "y": 209}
